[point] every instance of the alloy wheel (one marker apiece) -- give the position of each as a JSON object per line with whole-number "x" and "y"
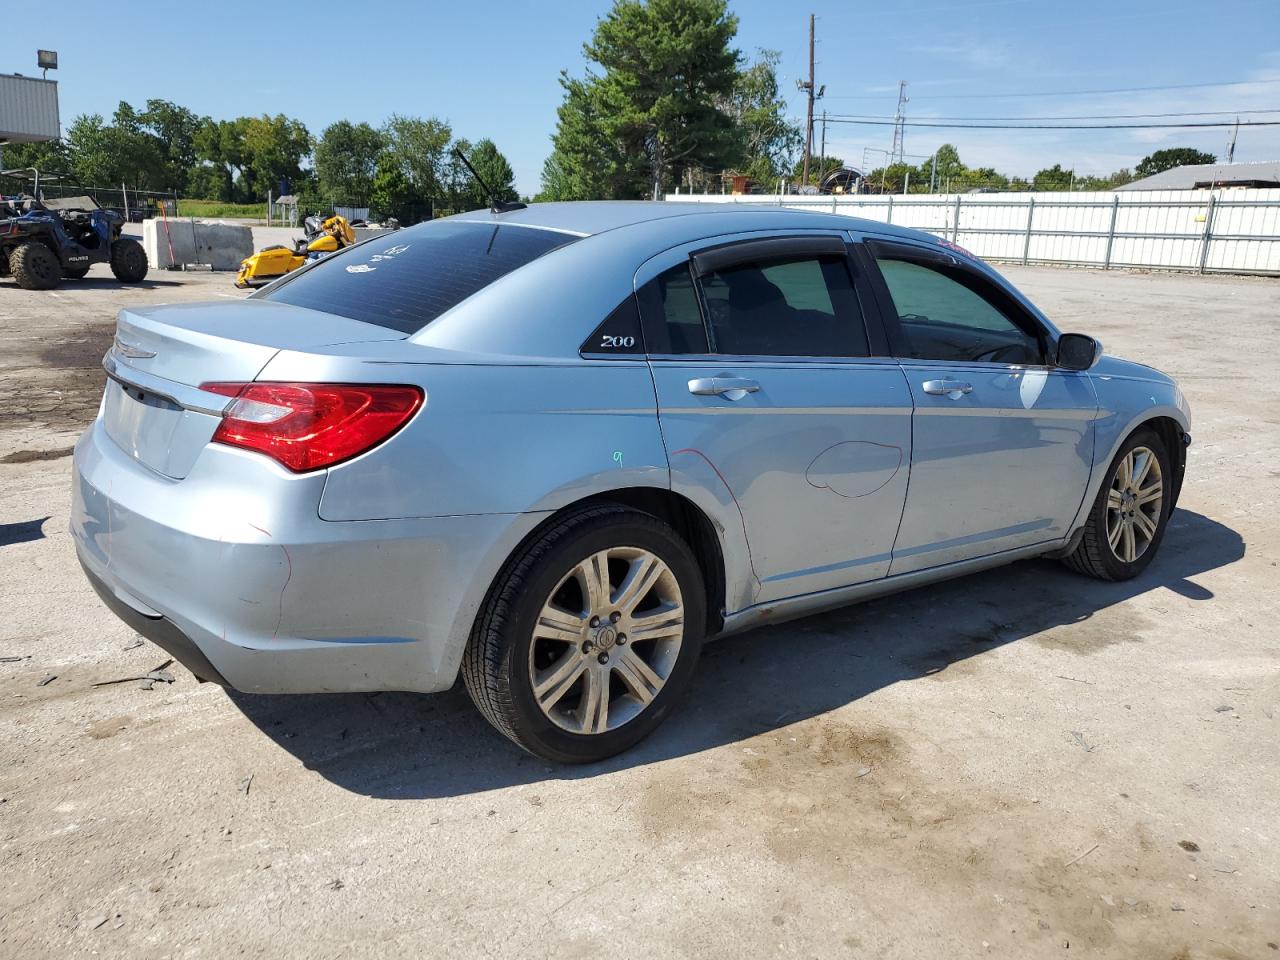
{"x": 606, "y": 640}
{"x": 1134, "y": 504}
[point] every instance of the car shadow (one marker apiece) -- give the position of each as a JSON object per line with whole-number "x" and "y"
{"x": 405, "y": 746}
{"x": 24, "y": 531}
{"x": 110, "y": 283}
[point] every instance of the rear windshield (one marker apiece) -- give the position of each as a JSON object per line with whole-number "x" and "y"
{"x": 404, "y": 280}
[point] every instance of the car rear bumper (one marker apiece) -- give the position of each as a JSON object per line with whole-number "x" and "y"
{"x": 232, "y": 571}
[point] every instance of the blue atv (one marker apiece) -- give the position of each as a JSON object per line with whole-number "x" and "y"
{"x": 41, "y": 242}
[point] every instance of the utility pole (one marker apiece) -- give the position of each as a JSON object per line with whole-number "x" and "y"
{"x": 1231, "y": 144}
{"x": 899, "y": 146}
{"x": 808, "y": 124}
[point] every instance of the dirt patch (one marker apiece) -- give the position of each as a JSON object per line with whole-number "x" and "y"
{"x": 827, "y": 801}
{"x": 62, "y": 386}
{"x": 106, "y": 729}
{"x": 30, "y": 456}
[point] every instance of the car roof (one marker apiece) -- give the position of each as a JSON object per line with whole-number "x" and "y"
{"x": 586, "y": 218}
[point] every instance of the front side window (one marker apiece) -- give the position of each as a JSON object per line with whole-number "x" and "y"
{"x": 941, "y": 318}
{"x": 405, "y": 279}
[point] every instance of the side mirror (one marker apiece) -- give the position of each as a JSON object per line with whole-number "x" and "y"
{"x": 1077, "y": 351}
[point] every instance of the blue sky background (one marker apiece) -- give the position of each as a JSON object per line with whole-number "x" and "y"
{"x": 491, "y": 69}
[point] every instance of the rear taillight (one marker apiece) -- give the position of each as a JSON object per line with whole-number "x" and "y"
{"x": 306, "y": 426}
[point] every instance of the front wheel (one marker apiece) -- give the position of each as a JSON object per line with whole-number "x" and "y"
{"x": 589, "y": 636}
{"x": 128, "y": 261}
{"x": 1129, "y": 516}
{"x": 34, "y": 266}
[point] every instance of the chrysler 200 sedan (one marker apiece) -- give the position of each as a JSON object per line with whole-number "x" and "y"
{"x": 553, "y": 449}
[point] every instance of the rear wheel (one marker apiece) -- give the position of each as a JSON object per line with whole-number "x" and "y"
{"x": 589, "y": 636}
{"x": 1128, "y": 519}
{"x": 128, "y": 261}
{"x": 34, "y": 266}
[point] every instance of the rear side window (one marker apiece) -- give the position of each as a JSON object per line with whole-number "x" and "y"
{"x": 804, "y": 307}
{"x": 672, "y": 318}
{"x": 404, "y": 280}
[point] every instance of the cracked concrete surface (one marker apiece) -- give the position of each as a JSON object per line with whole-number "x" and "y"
{"x": 1018, "y": 764}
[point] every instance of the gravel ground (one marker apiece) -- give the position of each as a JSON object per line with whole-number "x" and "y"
{"x": 1018, "y": 764}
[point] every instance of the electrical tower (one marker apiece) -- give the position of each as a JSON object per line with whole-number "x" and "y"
{"x": 899, "y": 123}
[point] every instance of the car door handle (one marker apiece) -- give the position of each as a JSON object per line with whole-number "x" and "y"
{"x": 947, "y": 388}
{"x": 731, "y": 388}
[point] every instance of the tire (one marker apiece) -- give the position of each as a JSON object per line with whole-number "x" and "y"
{"x": 595, "y": 701}
{"x": 1100, "y": 553}
{"x": 128, "y": 261}
{"x": 34, "y": 266}
{"x": 75, "y": 273}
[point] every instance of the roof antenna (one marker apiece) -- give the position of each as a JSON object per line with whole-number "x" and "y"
{"x": 495, "y": 205}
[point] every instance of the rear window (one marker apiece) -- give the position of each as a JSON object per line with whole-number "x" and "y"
{"x": 404, "y": 280}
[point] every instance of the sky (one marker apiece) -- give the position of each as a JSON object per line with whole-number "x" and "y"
{"x": 492, "y": 70}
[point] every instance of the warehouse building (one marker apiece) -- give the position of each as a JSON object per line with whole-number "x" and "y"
{"x": 1202, "y": 176}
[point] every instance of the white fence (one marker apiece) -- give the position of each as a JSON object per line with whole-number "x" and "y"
{"x": 1219, "y": 231}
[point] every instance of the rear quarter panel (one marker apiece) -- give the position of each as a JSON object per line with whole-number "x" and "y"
{"x": 495, "y": 438}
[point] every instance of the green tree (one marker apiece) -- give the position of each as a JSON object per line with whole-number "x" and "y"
{"x": 819, "y": 167}
{"x": 173, "y": 129}
{"x": 664, "y": 69}
{"x": 49, "y": 156}
{"x": 419, "y": 149}
{"x": 105, "y": 155}
{"x": 590, "y": 160}
{"x": 346, "y": 160}
{"x": 221, "y": 143}
{"x": 767, "y": 141}
{"x": 1171, "y": 157}
{"x": 496, "y": 171}
{"x": 1053, "y": 178}
{"x": 392, "y": 194}
{"x": 892, "y": 178}
{"x": 274, "y": 148}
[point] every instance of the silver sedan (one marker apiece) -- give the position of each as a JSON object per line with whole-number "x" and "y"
{"x": 553, "y": 449}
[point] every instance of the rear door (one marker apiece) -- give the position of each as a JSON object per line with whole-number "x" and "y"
{"x": 767, "y": 384}
{"x": 1002, "y": 441}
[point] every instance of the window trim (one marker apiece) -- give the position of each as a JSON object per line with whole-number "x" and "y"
{"x": 725, "y": 256}
{"x": 977, "y": 282}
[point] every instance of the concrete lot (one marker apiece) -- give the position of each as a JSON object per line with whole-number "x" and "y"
{"x": 1020, "y": 764}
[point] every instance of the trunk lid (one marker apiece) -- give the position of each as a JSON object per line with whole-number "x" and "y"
{"x": 153, "y": 408}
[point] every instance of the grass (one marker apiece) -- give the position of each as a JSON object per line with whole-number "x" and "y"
{"x": 215, "y": 208}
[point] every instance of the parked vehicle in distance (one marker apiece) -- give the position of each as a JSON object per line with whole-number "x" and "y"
{"x": 320, "y": 238}
{"x": 556, "y": 448}
{"x": 44, "y": 241}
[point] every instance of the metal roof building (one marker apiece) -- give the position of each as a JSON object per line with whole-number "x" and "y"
{"x": 1205, "y": 175}
{"x": 28, "y": 109}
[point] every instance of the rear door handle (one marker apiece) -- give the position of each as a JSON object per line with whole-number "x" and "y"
{"x": 731, "y": 388}
{"x": 947, "y": 388}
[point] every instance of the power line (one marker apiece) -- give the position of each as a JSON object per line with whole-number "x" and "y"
{"x": 1064, "y": 93}
{"x": 1096, "y": 116}
{"x": 1060, "y": 126}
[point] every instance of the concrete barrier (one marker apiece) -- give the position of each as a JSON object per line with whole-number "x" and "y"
{"x": 220, "y": 245}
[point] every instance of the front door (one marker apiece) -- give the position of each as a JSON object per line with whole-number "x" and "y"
{"x": 765, "y": 385}
{"x": 1002, "y": 442}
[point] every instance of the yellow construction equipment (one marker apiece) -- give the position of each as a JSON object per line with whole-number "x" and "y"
{"x": 321, "y": 239}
